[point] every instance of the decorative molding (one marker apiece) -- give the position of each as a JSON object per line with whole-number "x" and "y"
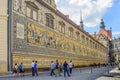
{"x": 20, "y": 31}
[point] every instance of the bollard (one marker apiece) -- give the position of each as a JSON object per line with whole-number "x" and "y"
{"x": 108, "y": 69}
{"x": 91, "y": 69}
{"x": 80, "y": 70}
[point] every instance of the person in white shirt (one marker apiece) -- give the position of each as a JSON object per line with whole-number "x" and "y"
{"x": 70, "y": 65}
{"x": 33, "y": 73}
{"x": 52, "y": 67}
{"x": 15, "y": 69}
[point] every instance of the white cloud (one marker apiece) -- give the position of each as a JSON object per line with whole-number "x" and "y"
{"x": 92, "y": 10}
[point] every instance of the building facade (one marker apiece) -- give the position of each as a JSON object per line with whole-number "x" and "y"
{"x": 116, "y": 49}
{"x": 37, "y": 30}
{"x": 104, "y": 36}
{"x": 3, "y": 36}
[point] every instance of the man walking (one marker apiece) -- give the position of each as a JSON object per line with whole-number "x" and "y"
{"x": 57, "y": 68}
{"x": 70, "y": 67}
{"x": 21, "y": 68}
{"x": 35, "y": 69}
{"x": 52, "y": 66}
{"x": 33, "y": 74}
{"x": 65, "y": 67}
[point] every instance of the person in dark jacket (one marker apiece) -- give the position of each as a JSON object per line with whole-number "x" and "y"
{"x": 65, "y": 67}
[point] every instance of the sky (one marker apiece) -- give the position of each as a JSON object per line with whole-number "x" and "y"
{"x": 92, "y": 12}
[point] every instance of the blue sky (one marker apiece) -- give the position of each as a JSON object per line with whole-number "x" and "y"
{"x": 92, "y": 12}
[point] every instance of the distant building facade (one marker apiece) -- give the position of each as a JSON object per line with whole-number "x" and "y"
{"x": 37, "y": 30}
{"x": 116, "y": 49}
{"x": 105, "y": 37}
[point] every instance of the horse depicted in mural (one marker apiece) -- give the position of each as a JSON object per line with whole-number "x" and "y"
{"x": 47, "y": 40}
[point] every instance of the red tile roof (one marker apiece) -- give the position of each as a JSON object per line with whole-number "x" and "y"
{"x": 106, "y": 33}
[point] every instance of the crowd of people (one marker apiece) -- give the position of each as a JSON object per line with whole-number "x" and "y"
{"x": 56, "y": 68}
{"x": 59, "y": 68}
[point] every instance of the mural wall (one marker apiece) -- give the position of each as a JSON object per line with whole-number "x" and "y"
{"x": 43, "y": 37}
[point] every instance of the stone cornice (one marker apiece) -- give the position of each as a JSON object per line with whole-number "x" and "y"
{"x": 32, "y": 4}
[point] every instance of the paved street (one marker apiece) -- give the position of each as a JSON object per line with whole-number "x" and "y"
{"x": 83, "y": 74}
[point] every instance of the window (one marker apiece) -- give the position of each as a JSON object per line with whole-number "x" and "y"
{"x": 87, "y": 41}
{"x": 28, "y": 12}
{"x": 49, "y": 20}
{"x": 71, "y": 32}
{"x": 34, "y": 15}
{"x": 83, "y": 38}
{"x": 62, "y": 27}
{"x": 50, "y": 1}
{"x": 77, "y": 35}
{"x": 31, "y": 10}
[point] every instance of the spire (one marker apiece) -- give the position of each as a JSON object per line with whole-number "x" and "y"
{"x": 102, "y": 26}
{"x": 110, "y": 28}
{"x": 81, "y": 21}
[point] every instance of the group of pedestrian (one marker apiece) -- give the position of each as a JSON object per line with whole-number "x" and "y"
{"x": 18, "y": 69}
{"x": 58, "y": 67}
{"x": 34, "y": 68}
{"x": 67, "y": 67}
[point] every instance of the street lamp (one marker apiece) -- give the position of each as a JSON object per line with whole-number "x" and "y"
{"x": 116, "y": 42}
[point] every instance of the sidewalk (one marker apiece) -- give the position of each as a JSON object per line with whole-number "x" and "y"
{"x": 25, "y": 74}
{"x": 113, "y": 73}
{"x": 83, "y": 74}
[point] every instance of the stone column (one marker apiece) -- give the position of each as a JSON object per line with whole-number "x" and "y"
{"x": 3, "y": 36}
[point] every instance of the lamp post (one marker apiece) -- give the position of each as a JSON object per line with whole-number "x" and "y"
{"x": 118, "y": 56}
{"x": 117, "y": 44}
{"x": 111, "y": 59}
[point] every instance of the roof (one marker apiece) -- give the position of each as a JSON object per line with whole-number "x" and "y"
{"x": 106, "y": 33}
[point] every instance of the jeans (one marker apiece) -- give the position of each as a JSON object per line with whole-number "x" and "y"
{"x": 66, "y": 71}
{"x": 70, "y": 70}
{"x": 33, "y": 73}
{"x": 52, "y": 72}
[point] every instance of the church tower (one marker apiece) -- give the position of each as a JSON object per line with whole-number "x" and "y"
{"x": 102, "y": 25}
{"x": 81, "y": 21}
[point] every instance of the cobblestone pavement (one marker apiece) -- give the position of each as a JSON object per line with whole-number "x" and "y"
{"x": 78, "y": 74}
